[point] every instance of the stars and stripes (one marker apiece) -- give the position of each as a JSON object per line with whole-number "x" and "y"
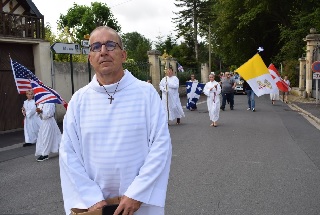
{"x": 26, "y": 80}
{"x": 22, "y": 77}
{"x": 180, "y": 68}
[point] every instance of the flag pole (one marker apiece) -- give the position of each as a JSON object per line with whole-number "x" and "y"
{"x": 167, "y": 93}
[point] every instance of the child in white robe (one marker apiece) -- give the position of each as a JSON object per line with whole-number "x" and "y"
{"x": 32, "y": 121}
{"x": 212, "y": 90}
{"x": 49, "y": 134}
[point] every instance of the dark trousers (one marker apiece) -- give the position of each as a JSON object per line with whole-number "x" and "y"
{"x": 229, "y": 97}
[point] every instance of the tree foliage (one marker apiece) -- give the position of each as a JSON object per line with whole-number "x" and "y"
{"x": 136, "y": 46}
{"x": 81, "y": 20}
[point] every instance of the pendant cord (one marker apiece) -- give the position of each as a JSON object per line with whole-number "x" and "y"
{"x": 111, "y": 96}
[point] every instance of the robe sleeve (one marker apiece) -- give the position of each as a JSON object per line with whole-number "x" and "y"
{"x": 79, "y": 191}
{"x": 206, "y": 90}
{"x": 162, "y": 85}
{"x": 150, "y": 185}
{"x": 30, "y": 111}
{"x": 173, "y": 83}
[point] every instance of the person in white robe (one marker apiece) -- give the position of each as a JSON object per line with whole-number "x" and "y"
{"x": 49, "y": 134}
{"x": 31, "y": 121}
{"x": 212, "y": 90}
{"x": 169, "y": 85}
{"x": 116, "y": 142}
{"x": 274, "y": 96}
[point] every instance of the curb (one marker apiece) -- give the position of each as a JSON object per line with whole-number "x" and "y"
{"x": 316, "y": 119}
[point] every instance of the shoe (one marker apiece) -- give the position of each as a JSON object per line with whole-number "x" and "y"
{"x": 231, "y": 108}
{"x": 215, "y": 124}
{"x": 273, "y": 102}
{"x": 248, "y": 108}
{"x": 43, "y": 158}
{"x": 211, "y": 124}
{"x": 27, "y": 144}
{"x": 178, "y": 121}
{"x": 253, "y": 110}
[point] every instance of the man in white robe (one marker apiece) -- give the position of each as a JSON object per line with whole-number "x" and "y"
{"x": 212, "y": 90}
{"x": 169, "y": 86}
{"x": 116, "y": 141}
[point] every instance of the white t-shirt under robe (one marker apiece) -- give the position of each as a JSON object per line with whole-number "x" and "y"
{"x": 174, "y": 103}
{"x": 213, "y": 99}
{"x": 110, "y": 150}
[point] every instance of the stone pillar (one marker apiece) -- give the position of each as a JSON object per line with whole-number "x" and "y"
{"x": 302, "y": 76}
{"x": 204, "y": 73}
{"x": 312, "y": 40}
{"x": 155, "y": 67}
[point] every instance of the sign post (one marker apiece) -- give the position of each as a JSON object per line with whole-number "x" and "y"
{"x": 316, "y": 76}
{"x": 67, "y": 48}
{"x": 85, "y": 50}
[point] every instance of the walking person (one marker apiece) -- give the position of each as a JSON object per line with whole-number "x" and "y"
{"x": 212, "y": 90}
{"x": 227, "y": 91}
{"x": 116, "y": 143}
{"x": 192, "y": 96}
{"x": 286, "y": 93}
{"x": 169, "y": 86}
{"x": 31, "y": 121}
{"x": 250, "y": 95}
{"x": 49, "y": 133}
{"x": 274, "y": 96}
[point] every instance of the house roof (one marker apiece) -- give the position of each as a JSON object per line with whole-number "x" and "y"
{"x": 29, "y": 5}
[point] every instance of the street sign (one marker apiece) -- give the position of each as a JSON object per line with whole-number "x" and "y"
{"x": 316, "y": 75}
{"x": 85, "y": 50}
{"x": 66, "y": 48}
{"x": 316, "y": 66}
{"x": 85, "y": 43}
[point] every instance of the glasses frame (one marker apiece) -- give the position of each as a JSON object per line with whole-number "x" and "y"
{"x": 110, "y": 46}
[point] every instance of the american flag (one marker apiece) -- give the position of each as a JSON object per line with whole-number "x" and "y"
{"x": 180, "y": 68}
{"x": 44, "y": 94}
{"x": 22, "y": 77}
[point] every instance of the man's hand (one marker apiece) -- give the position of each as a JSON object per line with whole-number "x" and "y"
{"x": 127, "y": 206}
{"x": 97, "y": 206}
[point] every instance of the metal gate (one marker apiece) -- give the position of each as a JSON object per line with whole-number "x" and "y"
{"x": 140, "y": 70}
{"x": 10, "y": 101}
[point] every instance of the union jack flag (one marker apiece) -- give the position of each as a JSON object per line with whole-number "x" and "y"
{"x": 44, "y": 94}
{"x": 22, "y": 77}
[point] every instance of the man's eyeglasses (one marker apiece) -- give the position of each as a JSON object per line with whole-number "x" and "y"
{"x": 110, "y": 46}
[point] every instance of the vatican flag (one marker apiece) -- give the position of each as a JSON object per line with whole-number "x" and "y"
{"x": 257, "y": 75}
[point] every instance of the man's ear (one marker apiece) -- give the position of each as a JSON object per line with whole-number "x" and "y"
{"x": 124, "y": 55}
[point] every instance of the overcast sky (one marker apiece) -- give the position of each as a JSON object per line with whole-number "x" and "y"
{"x": 150, "y": 18}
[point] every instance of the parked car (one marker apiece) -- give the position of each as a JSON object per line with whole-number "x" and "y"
{"x": 239, "y": 86}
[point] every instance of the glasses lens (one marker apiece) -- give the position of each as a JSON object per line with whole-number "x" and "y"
{"x": 95, "y": 47}
{"x": 110, "y": 45}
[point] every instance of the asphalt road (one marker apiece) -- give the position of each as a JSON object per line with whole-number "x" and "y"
{"x": 264, "y": 162}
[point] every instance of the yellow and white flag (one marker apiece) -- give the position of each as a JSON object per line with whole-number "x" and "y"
{"x": 257, "y": 75}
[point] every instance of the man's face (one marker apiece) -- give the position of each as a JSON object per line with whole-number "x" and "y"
{"x": 106, "y": 62}
{"x": 169, "y": 72}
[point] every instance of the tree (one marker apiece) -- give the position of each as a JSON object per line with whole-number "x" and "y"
{"x": 188, "y": 19}
{"x": 81, "y": 20}
{"x": 136, "y": 46}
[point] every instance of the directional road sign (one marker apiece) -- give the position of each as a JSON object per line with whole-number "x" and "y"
{"x": 66, "y": 48}
{"x": 85, "y": 50}
{"x": 85, "y": 43}
{"x": 316, "y": 75}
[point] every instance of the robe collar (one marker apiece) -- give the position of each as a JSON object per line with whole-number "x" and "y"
{"x": 125, "y": 81}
